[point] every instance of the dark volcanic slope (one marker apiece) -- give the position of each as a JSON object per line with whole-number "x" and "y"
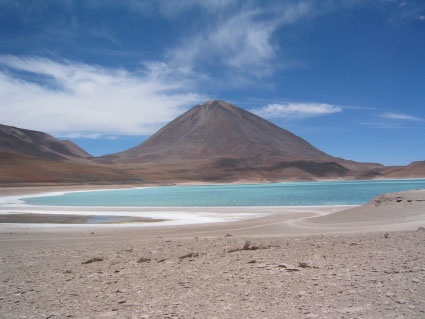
{"x": 219, "y": 129}
{"x": 33, "y": 143}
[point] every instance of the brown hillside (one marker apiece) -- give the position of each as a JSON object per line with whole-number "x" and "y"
{"x": 28, "y": 156}
{"x": 33, "y": 143}
{"x": 413, "y": 170}
{"x": 30, "y": 169}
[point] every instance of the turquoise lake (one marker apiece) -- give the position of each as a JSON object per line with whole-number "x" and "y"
{"x": 276, "y": 194}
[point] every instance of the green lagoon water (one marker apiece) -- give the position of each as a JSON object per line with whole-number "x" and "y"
{"x": 276, "y": 194}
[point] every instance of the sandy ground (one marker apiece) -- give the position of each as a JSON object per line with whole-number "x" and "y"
{"x": 305, "y": 262}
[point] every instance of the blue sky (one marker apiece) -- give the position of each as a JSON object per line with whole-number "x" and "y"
{"x": 346, "y": 75}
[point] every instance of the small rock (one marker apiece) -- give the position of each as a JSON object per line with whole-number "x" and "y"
{"x": 143, "y": 260}
{"x": 303, "y": 265}
{"x": 92, "y": 260}
{"x": 292, "y": 269}
{"x": 189, "y": 255}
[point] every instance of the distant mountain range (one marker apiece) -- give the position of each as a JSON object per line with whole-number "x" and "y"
{"x": 214, "y": 142}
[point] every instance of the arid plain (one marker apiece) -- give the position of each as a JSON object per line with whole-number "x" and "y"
{"x": 364, "y": 262}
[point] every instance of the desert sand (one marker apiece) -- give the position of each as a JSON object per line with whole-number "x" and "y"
{"x": 303, "y": 262}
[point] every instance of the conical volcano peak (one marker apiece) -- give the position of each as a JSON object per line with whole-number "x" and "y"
{"x": 217, "y": 130}
{"x": 220, "y": 141}
{"x": 215, "y": 103}
{"x": 219, "y": 105}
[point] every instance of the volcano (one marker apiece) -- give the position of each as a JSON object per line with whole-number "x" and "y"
{"x": 221, "y": 142}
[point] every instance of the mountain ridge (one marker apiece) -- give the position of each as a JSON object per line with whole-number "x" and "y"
{"x": 211, "y": 142}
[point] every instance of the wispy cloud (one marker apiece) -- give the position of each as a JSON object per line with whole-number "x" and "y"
{"x": 403, "y": 11}
{"x": 297, "y": 110}
{"x": 391, "y": 120}
{"x": 76, "y": 99}
{"x": 399, "y": 116}
{"x": 241, "y": 41}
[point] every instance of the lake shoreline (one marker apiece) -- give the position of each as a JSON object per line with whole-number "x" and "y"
{"x": 317, "y": 193}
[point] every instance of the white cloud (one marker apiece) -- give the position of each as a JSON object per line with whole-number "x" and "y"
{"x": 297, "y": 110}
{"x": 241, "y": 41}
{"x": 399, "y": 116}
{"x": 75, "y": 99}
